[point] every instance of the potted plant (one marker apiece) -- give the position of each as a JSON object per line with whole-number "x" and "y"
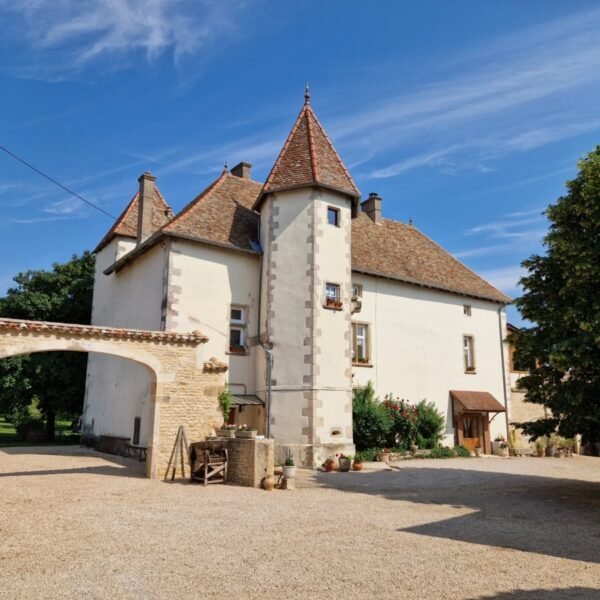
{"x": 384, "y": 456}
{"x": 357, "y": 463}
{"x": 540, "y": 447}
{"x": 227, "y": 430}
{"x": 289, "y": 468}
{"x": 237, "y": 349}
{"x": 345, "y": 463}
{"x": 245, "y": 432}
{"x": 330, "y": 465}
{"x": 477, "y": 451}
{"x": 499, "y": 446}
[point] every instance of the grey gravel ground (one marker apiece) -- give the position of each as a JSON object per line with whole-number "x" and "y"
{"x": 76, "y": 524}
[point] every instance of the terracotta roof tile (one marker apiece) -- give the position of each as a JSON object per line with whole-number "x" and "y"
{"x": 222, "y": 213}
{"x": 308, "y": 157}
{"x": 126, "y": 223}
{"x": 479, "y": 401}
{"x": 402, "y": 252}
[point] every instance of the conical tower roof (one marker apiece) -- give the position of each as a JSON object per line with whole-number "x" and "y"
{"x": 309, "y": 158}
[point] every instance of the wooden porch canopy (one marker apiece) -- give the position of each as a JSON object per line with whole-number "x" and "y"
{"x": 477, "y": 401}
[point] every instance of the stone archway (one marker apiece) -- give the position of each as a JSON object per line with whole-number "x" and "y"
{"x": 184, "y": 388}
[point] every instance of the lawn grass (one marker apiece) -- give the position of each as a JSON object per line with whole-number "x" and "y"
{"x": 8, "y": 435}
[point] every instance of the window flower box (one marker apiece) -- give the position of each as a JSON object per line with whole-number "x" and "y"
{"x": 246, "y": 433}
{"x": 237, "y": 350}
{"x": 332, "y": 303}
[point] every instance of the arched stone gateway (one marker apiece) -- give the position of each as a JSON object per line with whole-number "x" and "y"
{"x": 184, "y": 388}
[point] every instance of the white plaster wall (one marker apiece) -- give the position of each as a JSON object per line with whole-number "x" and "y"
{"x": 204, "y": 282}
{"x": 118, "y": 390}
{"x": 416, "y": 346}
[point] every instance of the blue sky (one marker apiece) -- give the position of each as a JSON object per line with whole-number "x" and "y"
{"x": 467, "y": 117}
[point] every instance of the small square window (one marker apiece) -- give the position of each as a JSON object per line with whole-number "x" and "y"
{"x": 467, "y": 310}
{"x": 333, "y": 216}
{"x": 357, "y": 290}
{"x": 332, "y": 296}
{"x": 237, "y": 315}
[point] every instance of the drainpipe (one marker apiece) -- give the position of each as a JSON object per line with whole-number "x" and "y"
{"x": 503, "y": 369}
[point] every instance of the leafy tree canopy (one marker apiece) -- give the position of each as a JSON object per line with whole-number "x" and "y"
{"x": 55, "y": 379}
{"x": 562, "y": 297}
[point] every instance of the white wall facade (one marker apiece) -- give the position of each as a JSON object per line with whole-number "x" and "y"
{"x": 119, "y": 390}
{"x": 416, "y": 346}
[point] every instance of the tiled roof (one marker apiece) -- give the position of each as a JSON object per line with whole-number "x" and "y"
{"x": 402, "y": 252}
{"x": 126, "y": 223}
{"x": 479, "y": 401}
{"x": 308, "y": 157}
{"x": 222, "y": 213}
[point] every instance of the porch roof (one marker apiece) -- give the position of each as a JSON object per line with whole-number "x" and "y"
{"x": 245, "y": 400}
{"x": 477, "y": 401}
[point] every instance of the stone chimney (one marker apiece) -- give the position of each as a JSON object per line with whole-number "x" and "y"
{"x": 242, "y": 170}
{"x": 372, "y": 206}
{"x": 145, "y": 206}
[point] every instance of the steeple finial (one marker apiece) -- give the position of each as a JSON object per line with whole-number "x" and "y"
{"x": 225, "y": 168}
{"x": 307, "y": 94}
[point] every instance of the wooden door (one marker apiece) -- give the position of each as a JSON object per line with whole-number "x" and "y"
{"x": 472, "y": 430}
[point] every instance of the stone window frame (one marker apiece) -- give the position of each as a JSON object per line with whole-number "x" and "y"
{"x": 469, "y": 361}
{"x": 334, "y": 210}
{"x": 240, "y": 325}
{"x": 333, "y": 302}
{"x": 367, "y": 360}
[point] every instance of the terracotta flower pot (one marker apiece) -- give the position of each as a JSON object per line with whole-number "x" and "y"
{"x": 357, "y": 466}
{"x": 329, "y": 465}
{"x": 345, "y": 464}
{"x": 268, "y": 483}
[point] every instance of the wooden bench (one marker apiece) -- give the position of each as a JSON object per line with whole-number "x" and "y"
{"x": 133, "y": 450}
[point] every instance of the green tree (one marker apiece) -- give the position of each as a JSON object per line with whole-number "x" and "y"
{"x": 55, "y": 379}
{"x": 562, "y": 298}
{"x": 430, "y": 424}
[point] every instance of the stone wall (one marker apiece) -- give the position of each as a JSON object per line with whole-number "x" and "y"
{"x": 184, "y": 388}
{"x": 248, "y": 460}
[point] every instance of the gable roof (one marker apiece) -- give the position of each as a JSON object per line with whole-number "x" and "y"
{"x": 308, "y": 158}
{"x": 222, "y": 213}
{"x": 127, "y": 222}
{"x": 399, "y": 251}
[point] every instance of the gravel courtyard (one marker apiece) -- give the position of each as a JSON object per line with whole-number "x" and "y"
{"x": 77, "y": 524}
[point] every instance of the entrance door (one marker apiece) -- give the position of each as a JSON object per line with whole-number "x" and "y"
{"x": 472, "y": 427}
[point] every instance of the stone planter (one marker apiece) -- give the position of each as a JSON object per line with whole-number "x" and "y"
{"x": 499, "y": 448}
{"x": 226, "y": 433}
{"x": 289, "y": 472}
{"x": 383, "y": 457}
{"x": 246, "y": 435}
{"x": 345, "y": 464}
{"x": 478, "y": 451}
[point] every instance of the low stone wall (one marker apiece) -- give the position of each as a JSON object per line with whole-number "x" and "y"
{"x": 249, "y": 460}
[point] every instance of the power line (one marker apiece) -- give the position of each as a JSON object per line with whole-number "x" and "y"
{"x": 60, "y": 185}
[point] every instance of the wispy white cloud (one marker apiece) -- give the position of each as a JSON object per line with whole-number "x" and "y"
{"x": 70, "y": 35}
{"x": 505, "y": 279}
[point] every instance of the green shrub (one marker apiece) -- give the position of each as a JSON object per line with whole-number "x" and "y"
{"x": 403, "y": 416}
{"x": 462, "y": 451}
{"x": 225, "y": 399}
{"x": 429, "y": 425}
{"x": 371, "y": 422}
{"x": 442, "y": 452}
{"x": 369, "y": 455}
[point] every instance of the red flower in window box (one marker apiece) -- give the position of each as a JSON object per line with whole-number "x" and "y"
{"x": 237, "y": 349}
{"x": 333, "y": 303}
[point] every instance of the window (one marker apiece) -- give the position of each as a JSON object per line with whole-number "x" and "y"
{"x": 467, "y": 310}
{"x": 360, "y": 343}
{"x": 237, "y": 330}
{"x": 469, "y": 354}
{"x": 332, "y": 295}
{"x": 357, "y": 290}
{"x": 137, "y": 422}
{"x": 333, "y": 216}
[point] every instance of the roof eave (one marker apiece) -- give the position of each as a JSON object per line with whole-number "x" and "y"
{"x": 432, "y": 286}
{"x": 355, "y": 196}
{"x": 156, "y": 237}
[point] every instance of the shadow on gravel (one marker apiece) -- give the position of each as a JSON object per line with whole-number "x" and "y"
{"x": 556, "y": 517}
{"x": 573, "y": 593}
{"x": 118, "y": 466}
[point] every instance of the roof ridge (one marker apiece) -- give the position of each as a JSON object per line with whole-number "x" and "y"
{"x": 311, "y": 143}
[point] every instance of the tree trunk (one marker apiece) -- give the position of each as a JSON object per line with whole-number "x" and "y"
{"x": 50, "y": 425}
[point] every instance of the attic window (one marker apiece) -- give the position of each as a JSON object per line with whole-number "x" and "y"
{"x": 467, "y": 310}
{"x": 333, "y": 216}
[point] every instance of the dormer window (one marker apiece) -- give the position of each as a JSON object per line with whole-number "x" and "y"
{"x": 333, "y": 216}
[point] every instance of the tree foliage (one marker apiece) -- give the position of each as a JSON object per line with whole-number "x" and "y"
{"x": 430, "y": 425}
{"x": 562, "y": 297}
{"x": 55, "y": 379}
{"x": 371, "y": 421}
